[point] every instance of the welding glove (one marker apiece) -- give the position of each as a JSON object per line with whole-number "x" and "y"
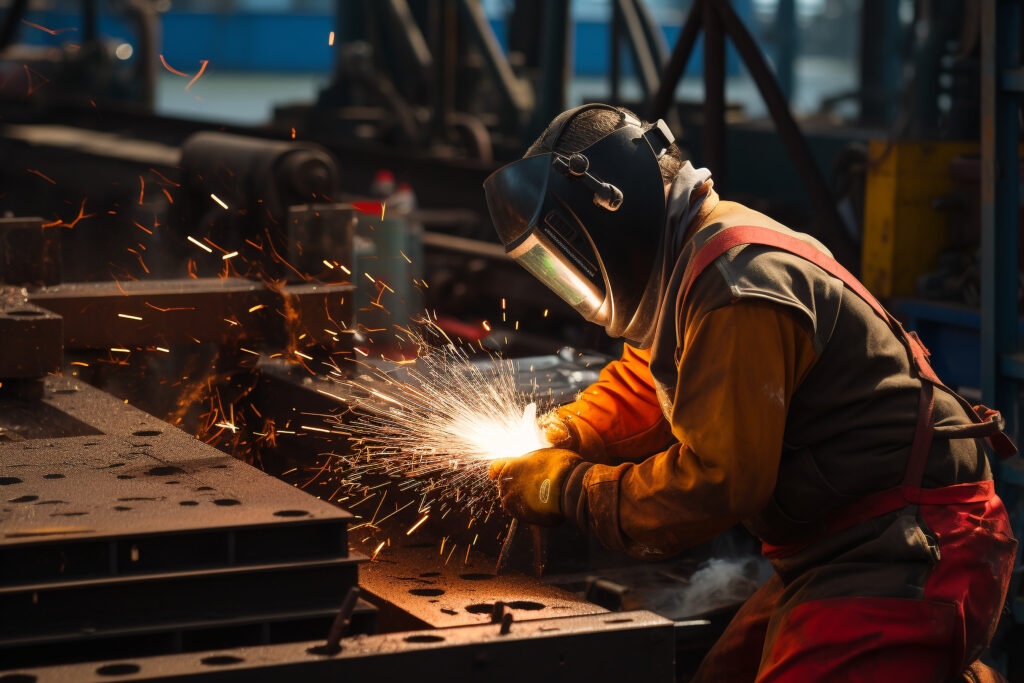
{"x": 565, "y": 431}
{"x": 530, "y": 486}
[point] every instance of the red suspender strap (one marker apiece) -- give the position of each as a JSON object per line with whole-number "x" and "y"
{"x": 750, "y": 234}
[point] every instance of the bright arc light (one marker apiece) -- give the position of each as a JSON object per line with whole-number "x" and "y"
{"x": 435, "y": 427}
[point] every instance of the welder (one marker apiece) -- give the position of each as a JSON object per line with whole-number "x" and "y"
{"x": 760, "y": 383}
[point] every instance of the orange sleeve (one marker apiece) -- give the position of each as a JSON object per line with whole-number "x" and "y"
{"x": 737, "y": 373}
{"x": 619, "y": 418}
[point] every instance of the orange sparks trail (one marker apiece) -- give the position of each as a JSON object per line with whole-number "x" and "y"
{"x": 202, "y": 68}
{"x": 51, "y": 31}
{"x": 28, "y": 75}
{"x": 42, "y": 175}
{"x": 169, "y": 68}
{"x": 377, "y": 551}
{"x": 81, "y": 215}
{"x": 168, "y": 195}
{"x": 146, "y": 230}
{"x": 142, "y": 190}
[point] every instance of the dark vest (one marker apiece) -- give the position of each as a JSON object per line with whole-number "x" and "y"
{"x": 852, "y": 419}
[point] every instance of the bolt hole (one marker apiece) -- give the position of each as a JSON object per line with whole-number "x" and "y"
{"x": 118, "y": 669}
{"x": 617, "y": 621}
{"x": 290, "y": 513}
{"x": 221, "y": 660}
{"x": 7, "y": 481}
{"x": 147, "y": 432}
{"x": 423, "y": 638}
{"x": 226, "y": 502}
{"x": 24, "y": 313}
{"x": 188, "y": 503}
{"x": 23, "y": 499}
{"x": 55, "y": 475}
{"x": 126, "y": 476}
{"x": 426, "y": 592}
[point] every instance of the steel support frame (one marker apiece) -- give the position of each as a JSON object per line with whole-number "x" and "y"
{"x": 830, "y": 228}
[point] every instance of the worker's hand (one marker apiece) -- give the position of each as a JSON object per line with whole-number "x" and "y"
{"x": 530, "y": 486}
{"x": 559, "y": 432}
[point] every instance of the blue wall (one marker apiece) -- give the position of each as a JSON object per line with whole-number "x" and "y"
{"x": 293, "y": 42}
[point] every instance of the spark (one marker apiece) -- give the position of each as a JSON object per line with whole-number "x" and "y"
{"x": 118, "y": 349}
{"x": 328, "y": 264}
{"x": 377, "y": 551}
{"x": 202, "y": 68}
{"x": 78, "y": 362}
{"x": 42, "y": 175}
{"x": 172, "y": 70}
{"x": 404, "y": 256}
{"x": 300, "y": 354}
{"x": 130, "y": 317}
{"x": 199, "y": 244}
{"x": 293, "y": 132}
{"x": 227, "y": 425}
{"x": 230, "y": 255}
{"x": 218, "y": 200}
{"x": 487, "y": 326}
{"x": 256, "y": 308}
{"x": 440, "y": 423}
{"x": 347, "y": 271}
{"x": 164, "y": 350}
{"x": 416, "y": 526}
{"x": 51, "y": 31}
{"x": 330, "y": 38}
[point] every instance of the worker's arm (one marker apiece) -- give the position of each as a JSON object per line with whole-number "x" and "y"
{"x": 616, "y": 419}
{"x": 739, "y": 368}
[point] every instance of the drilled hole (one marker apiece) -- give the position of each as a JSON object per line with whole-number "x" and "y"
{"x": 426, "y": 592}
{"x": 164, "y": 470}
{"x": 423, "y": 638}
{"x": 24, "y": 313}
{"x": 7, "y": 481}
{"x": 617, "y": 621}
{"x": 188, "y": 503}
{"x": 290, "y": 513}
{"x": 225, "y": 502}
{"x": 126, "y": 476}
{"x": 55, "y": 475}
{"x": 118, "y": 669}
{"x": 121, "y": 508}
{"x": 23, "y": 499}
{"x": 147, "y": 432}
{"x": 528, "y": 605}
{"x": 221, "y": 660}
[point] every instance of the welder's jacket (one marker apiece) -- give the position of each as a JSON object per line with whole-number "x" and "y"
{"x": 771, "y": 396}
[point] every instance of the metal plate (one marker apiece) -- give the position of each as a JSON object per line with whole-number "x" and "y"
{"x": 190, "y": 635}
{"x": 626, "y": 646}
{"x": 184, "y": 310}
{"x": 417, "y": 582}
{"x": 141, "y": 496}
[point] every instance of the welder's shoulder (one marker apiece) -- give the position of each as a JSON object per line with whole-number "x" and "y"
{"x": 758, "y": 273}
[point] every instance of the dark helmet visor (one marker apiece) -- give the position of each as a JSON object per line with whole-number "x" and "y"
{"x": 544, "y": 239}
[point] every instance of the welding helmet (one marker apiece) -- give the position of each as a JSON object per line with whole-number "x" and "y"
{"x": 589, "y": 225}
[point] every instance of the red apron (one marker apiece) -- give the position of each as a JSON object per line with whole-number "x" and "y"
{"x": 862, "y": 638}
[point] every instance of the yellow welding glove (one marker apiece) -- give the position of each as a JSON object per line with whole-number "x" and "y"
{"x": 530, "y": 486}
{"x": 563, "y": 431}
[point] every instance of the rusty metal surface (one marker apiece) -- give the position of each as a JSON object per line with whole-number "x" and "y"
{"x": 189, "y": 310}
{"x": 137, "y": 477}
{"x": 611, "y": 647}
{"x": 111, "y": 521}
{"x": 444, "y": 592}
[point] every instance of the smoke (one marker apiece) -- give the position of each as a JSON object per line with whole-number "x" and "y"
{"x": 720, "y": 583}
